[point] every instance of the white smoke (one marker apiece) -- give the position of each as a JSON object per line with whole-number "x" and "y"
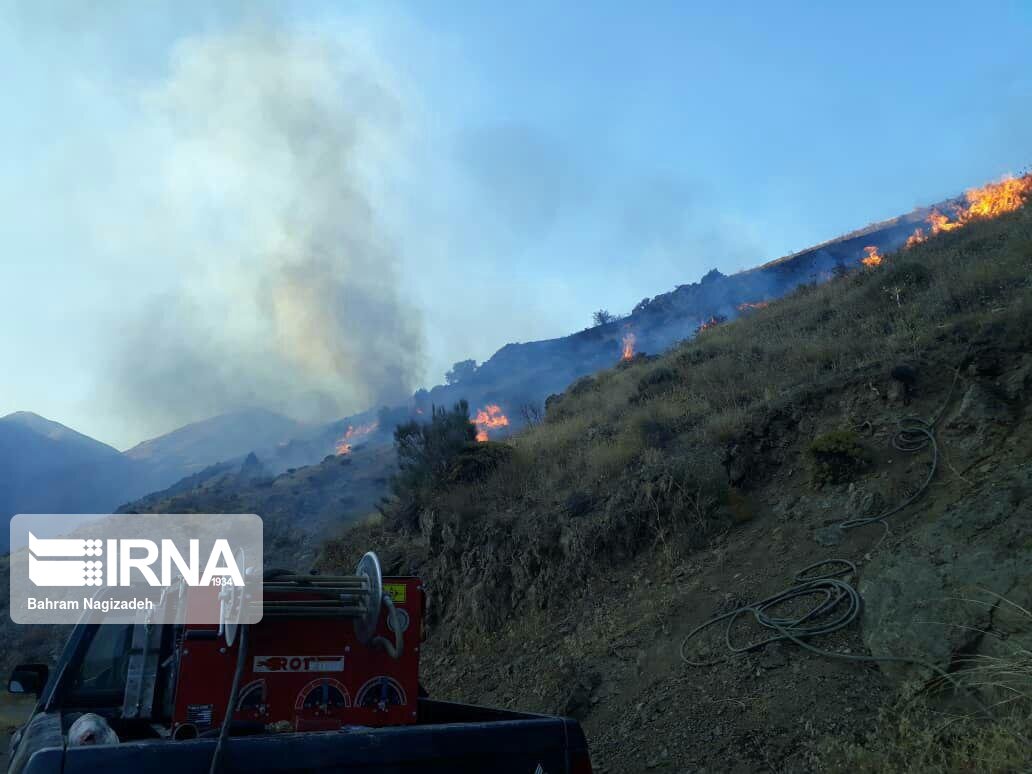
{"x": 265, "y": 158}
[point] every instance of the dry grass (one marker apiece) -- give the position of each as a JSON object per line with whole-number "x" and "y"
{"x": 695, "y": 401}
{"x": 917, "y": 736}
{"x": 919, "y": 740}
{"x": 704, "y": 393}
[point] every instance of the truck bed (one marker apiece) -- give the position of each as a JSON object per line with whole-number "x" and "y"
{"x": 449, "y": 738}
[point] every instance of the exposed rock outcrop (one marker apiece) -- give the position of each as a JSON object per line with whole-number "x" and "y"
{"x": 941, "y": 595}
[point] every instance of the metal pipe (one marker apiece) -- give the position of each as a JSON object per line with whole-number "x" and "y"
{"x": 316, "y": 590}
{"x": 313, "y": 612}
{"x": 316, "y": 580}
{"x": 276, "y": 584}
{"x": 312, "y": 603}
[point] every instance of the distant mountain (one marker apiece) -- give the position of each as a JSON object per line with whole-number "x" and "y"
{"x": 49, "y": 468}
{"x": 222, "y": 438}
{"x": 68, "y": 445}
{"x": 46, "y": 467}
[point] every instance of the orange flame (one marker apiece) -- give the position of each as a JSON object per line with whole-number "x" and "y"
{"x": 983, "y": 203}
{"x": 916, "y": 238}
{"x": 628, "y": 346}
{"x": 995, "y": 199}
{"x": 712, "y": 322}
{"x": 940, "y": 222}
{"x": 353, "y": 435}
{"x": 871, "y": 257}
{"x": 489, "y": 418}
{"x": 745, "y": 307}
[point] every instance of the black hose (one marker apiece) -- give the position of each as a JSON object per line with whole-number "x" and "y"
{"x": 912, "y": 435}
{"x": 838, "y": 606}
{"x": 234, "y": 691}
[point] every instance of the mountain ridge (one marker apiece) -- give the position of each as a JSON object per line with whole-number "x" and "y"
{"x": 54, "y": 430}
{"x": 520, "y": 377}
{"x": 51, "y": 468}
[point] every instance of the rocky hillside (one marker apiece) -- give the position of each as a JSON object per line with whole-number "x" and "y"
{"x": 299, "y": 507}
{"x": 522, "y": 374}
{"x": 518, "y": 378}
{"x": 663, "y": 492}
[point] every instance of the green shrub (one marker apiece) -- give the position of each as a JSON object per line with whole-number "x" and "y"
{"x": 477, "y": 460}
{"x": 426, "y": 450}
{"x": 608, "y": 457}
{"x": 656, "y": 381}
{"x": 582, "y": 385}
{"x": 837, "y": 457}
{"x": 908, "y": 274}
{"x": 658, "y": 422}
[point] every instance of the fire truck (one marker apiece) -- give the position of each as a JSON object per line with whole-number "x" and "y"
{"x": 327, "y": 680}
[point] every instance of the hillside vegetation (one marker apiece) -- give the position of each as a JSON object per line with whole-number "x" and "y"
{"x": 565, "y": 573}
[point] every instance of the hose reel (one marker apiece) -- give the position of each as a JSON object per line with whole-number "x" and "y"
{"x": 358, "y": 597}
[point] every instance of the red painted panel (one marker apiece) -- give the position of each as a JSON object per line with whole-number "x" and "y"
{"x": 310, "y": 674}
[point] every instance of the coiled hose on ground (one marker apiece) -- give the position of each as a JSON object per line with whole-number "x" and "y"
{"x": 838, "y": 605}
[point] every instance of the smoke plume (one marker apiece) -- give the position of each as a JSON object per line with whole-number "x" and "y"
{"x": 267, "y": 158}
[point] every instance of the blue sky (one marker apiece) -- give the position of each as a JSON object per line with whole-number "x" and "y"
{"x": 523, "y": 164}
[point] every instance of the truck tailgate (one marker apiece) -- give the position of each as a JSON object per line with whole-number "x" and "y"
{"x": 525, "y": 746}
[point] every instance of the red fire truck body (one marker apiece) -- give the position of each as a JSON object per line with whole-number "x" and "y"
{"x": 305, "y": 674}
